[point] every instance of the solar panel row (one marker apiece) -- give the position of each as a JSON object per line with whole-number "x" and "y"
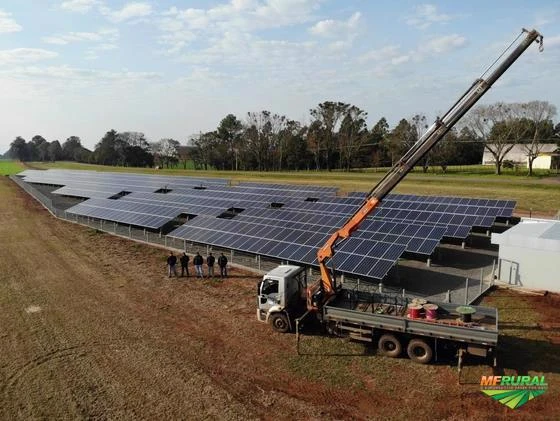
{"x": 356, "y": 256}
{"x": 293, "y": 232}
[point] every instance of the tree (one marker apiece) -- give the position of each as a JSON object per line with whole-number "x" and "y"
{"x": 536, "y": 120}
{"x": 419, "y": 122}
{"x": 378, "y": 135}
{"x": 38, "y": 148}
{"x": 229, "y": 132}
{"x": 18, "y": 149}
{"x": 352, "y": 135}
{"x": 106, "y": 151}
{"x": 167, "y": 151}
{"x": 73, "y": 150}
{"x": 329, "y": 116}
{"x": 494, "y": 128}
{"x": 296, "y": 156}
{"x": 203, "y": 144}
{"x": 261, "y": 147}
{"x": 401, "y": 139}
{"x": 54, "y": 151}
{"x": 444, "y": 151}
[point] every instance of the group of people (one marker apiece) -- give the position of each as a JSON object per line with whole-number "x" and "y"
{"x": 198, "y": 263}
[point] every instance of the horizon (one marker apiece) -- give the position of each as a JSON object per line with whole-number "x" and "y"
{"x": 84, "y": 67}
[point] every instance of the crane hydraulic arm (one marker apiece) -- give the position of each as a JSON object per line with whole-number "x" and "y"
{"x": 318, "y": 293}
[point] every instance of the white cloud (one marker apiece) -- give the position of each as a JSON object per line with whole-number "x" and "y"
{"x": 25, "y": 55}
{"x": 552, "y": 42}
{"x": 425, "y": 15}
{"x": 386, "y": 53}
{"x": 79, "y": 6}
{"x": 7, "y": 24}
{"x": 67, "y": 73}
{"x": 442, "y": 44}
{"x": 334, "y": 28}
{"x": 102, "y": 35}
{"x": 180, "y": 27}
{"x": 129, "y": 11}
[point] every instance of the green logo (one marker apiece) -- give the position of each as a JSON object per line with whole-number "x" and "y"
{"x": 513, "y": 391}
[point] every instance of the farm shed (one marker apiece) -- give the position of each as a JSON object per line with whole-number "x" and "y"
{"x": 529, "y": 254}
{"x": 518, "y": 155}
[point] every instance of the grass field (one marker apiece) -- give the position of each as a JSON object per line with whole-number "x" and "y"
{"x": 98, "y": 331}
{"x": 538, "y": 195}
{"x": 10, "y": 167}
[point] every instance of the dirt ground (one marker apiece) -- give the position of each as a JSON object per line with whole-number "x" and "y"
{"x": 92, "y": 328}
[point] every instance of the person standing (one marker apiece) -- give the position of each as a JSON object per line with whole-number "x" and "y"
{"x": 172, "y": 264}
{"x": 197, "y": 262}
{"x": 184, "y": 264}
{"x": 222, "y": 263}
{"x": 210, "y": 260}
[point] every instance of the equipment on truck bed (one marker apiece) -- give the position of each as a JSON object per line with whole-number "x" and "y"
{"x": 285, "y": 298}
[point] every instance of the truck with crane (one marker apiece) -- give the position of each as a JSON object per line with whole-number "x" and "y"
{"x": 393, "y": 322}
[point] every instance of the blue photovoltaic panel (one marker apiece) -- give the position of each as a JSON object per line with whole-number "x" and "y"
{"x": 294, "y": 232}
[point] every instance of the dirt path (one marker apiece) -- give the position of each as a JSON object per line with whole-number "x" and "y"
{"x": 90, "y": 327}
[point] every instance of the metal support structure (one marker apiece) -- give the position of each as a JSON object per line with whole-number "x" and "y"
{"x": 463, "y": 245}
{"x": 448, "y": 296}
{"x": 429, "y": 262}
{"x": 466, "y": 291}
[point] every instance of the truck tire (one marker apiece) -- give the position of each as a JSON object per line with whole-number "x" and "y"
{"x": 419, "y": 351}
{"x": 389, "y": 346}
{"x": 280, "y": 323}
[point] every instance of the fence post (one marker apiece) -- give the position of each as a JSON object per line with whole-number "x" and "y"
{"x": 466, "y": 290}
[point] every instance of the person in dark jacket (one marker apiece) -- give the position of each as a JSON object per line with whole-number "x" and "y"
{"x": 222, "y": 263}
{"x": 210, "y": 260}
{"x": 172, "y": 264}
{"x": 197, "y": 262}
{"x": 184, "y": 264}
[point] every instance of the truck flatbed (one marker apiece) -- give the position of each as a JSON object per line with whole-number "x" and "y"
{"x": 389, "y": 312}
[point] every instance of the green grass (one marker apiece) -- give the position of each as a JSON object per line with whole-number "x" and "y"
{"x": 541, "y": 195}
{"x": 10, "y": 167}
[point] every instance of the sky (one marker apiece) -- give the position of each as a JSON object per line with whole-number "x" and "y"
{"x": 176, "y": 68}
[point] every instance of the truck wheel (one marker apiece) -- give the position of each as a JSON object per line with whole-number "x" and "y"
{"x": 389, "y": 346}
{"x": 279, "y": 322}
{"x": 419, "y": 351}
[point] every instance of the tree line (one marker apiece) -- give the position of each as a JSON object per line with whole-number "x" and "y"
{"x": 337, "y": 138}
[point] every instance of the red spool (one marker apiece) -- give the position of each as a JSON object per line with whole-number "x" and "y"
{"x": 414, "y": 311}
{"x": 431, "y": 311}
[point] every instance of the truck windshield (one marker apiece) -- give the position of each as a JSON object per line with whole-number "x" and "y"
{"x": 269, "y": 286}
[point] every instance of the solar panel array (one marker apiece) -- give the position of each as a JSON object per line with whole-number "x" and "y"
{"x": 288, "y": 222}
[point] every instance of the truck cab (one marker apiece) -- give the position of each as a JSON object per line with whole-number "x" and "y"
{"x": 281, "y": 295}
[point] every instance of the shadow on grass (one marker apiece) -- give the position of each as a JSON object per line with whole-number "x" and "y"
{"x": 523, "y": 355}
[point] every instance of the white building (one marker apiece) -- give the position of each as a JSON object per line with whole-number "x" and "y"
{"x": 518, "y": 155}
{"x": 529, "y": 255}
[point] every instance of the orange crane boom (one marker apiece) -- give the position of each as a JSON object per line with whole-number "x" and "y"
{"x": 319, "y": 292}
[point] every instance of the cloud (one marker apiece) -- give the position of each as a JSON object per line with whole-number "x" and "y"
{"x": 25, "y": 55}
{"x": 180, "y": 27}
{"x": 333, "y": 28}
{"x": 67, "y": 73}
{"x": 7, "y": 24}
{"x": 381, "y": 54}
{"x": 442, "y": 44}
{"x": 79, "y": 6}
{"x": 425, "y": 15}
{"x": 129, "y": 11}
{"x": 103, "y": 35}
{"x": 552, "y": 42}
